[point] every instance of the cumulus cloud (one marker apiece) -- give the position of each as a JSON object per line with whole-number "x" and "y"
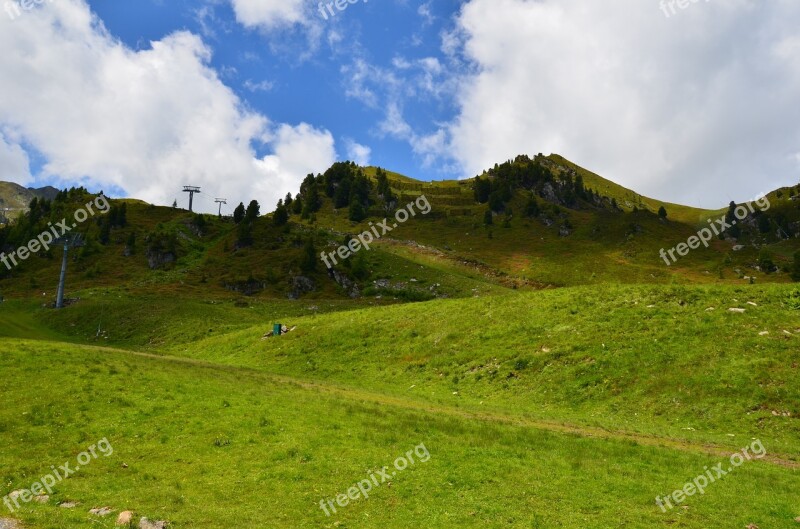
{"x": 14, "y": 164}
{"x": 698, "y": 107}
{"x": 269, "y": 13}
{"x": 358, "y": 153}
{"x": 145, "y": 121}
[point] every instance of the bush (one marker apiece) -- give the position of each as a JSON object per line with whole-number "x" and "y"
{"x": 765, "y": 262}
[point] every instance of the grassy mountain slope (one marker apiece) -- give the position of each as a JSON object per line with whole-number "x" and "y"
{"x": 448, "y": 253}
{"x": 540, "y": 406}
{"x": 14, "y": 199}
{"x": 568, "y": 407}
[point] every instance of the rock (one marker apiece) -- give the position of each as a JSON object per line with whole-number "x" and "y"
{"x": 763, "y": 333}
{"x": 563, "y": 231}
{"x": 68, "y": 504}
{"x": 101, "y": 511}
{"x": 125, "y": 518}
{"x": 738, "y": 248}
{"x": 346, "y": 283}
{"x": 752, "y": 526}
{"x": 41, "y": 498}
{"x": 159, "y": 260}
{"x": 738, "y": 311}
{"x": 9, "y": 523}
{"x": 549, "y": 194}
{"x": 300, "y": 285}
{"x": 751, "y": 303}
{"x": 797, "y": 519}
{"x": 144, "y": 523}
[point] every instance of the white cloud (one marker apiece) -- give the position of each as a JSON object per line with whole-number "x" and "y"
{"x": 262, "y": 86}
{"x": 145, "y": 121}
{"x": 700, "y": 107}
{"x": 14, "y": 164}
{"x": 269, "y": 13}
{"x": 358, "y": 153}
{"x": 424, "y": 11}
{"x": 299, "y": 151}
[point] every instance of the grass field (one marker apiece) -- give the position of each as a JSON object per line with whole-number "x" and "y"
{"x": 560, "y": 408}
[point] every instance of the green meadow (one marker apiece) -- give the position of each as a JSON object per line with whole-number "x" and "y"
{"x": 571, "y": 407}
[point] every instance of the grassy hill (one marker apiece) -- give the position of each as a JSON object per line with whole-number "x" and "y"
{"x": 568, "y": 407}
{"x": 450, "y": 252}
{"x": 14, "y": 199}
{"x": 556, "y": 372}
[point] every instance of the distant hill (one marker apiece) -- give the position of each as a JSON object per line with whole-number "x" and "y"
{"x": 14, "y": 199}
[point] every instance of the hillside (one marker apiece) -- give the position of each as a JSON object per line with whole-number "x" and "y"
{"x": 519, "y": 337}
{"x": 552, "y": 224}
{"x": 14, "y": 199}
{"x": 569, "y": 394}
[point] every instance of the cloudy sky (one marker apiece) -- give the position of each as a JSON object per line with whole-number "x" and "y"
{"x": 245, "y": 97}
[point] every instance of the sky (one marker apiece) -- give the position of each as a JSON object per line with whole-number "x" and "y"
{"x": 695, "y": 104}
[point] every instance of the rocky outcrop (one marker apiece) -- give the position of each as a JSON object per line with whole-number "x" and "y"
{"x": 301, "y": 285}
{"x": 158, "y": 260}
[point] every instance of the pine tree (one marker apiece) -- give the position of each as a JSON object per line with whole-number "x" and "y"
{"x": 253, "y": 211}
{"x": 482, "y": 188}
{"x": 238, "y": 213}
{"x": 796, "y": 266}
{"x": 662, "y": 212}
{"x": 281, "y": 216}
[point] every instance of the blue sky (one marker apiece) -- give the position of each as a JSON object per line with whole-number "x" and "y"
{"x": 276, "y": 75}
{"x": 245, "y": 97}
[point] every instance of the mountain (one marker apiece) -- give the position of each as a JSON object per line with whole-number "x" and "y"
{"x": 528, "y": 223}
{"x": 14, "y": 198}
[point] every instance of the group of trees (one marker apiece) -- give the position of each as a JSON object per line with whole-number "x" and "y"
{"x": 500, "y": 183}
{"x": 346, "y": 185}
{"x": 244, "y": 219}
{"x": 41, "y": 212}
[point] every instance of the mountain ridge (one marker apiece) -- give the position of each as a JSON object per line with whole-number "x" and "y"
{"x": 526, "y": 223}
